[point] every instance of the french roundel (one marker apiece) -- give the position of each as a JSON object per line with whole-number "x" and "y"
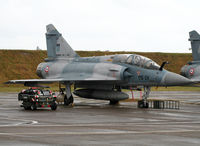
{"x": 46, "y": 69}
{"x": 191, "y": 71}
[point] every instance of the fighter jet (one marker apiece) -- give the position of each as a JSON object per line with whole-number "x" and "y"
{"x": 100, "y": 77}
{"x": 192, "y": 69}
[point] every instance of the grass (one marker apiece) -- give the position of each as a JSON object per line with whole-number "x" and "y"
{"x": 18, "y": 88}
{"x": 176, "y": 88}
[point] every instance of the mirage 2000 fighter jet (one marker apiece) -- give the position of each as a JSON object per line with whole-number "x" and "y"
{"x": 100, "y": 77}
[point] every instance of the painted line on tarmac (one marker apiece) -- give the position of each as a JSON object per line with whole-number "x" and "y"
{"x": 108, "y": 124}
{"x": 6, "y": 108}
{"x": 24, "y": 122}
{"x": 103, "y": 133}
{"x": 19, "y": 124}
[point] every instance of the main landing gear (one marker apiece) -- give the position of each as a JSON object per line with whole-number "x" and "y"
{"x": 144, "y": 103}
{"x": 68, "y": 97}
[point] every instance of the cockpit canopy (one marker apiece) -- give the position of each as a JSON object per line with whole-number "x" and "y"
{"x": 137, "y": 60}
{"x": 142, "y": 61}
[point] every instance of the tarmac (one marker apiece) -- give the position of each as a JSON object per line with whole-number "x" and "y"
{"x": 94, "y": 123}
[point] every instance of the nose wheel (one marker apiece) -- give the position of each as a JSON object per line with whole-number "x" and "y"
{"x": 143, "y": 104}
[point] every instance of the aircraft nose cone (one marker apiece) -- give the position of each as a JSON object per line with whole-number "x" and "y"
{"x": 173, "y": 79}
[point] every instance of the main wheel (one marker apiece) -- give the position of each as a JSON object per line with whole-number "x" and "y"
{"x": 71, "y": 99}
{"x": 53, "y": 106}
{"x": 27, "y": 107}
{"x": 68, "y": 101}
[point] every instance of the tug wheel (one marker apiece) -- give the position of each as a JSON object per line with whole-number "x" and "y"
{"x": 27, "y": 107}
{"x": 33, "y": 107}
{"x": 53, "y": 106}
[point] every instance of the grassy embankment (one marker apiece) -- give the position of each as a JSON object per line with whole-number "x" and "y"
{"x": 22, "y": 64}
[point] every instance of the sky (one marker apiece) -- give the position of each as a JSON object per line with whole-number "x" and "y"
{"x": 114, "y": 25}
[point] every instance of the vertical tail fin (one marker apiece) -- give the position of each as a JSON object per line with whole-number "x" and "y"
{"x": 57, "y": 47}
{"x": 195, "y": 44}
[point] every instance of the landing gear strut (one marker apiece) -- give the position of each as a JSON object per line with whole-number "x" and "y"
{"x": 144, "y": 103}
{"x": 68, "y": 99}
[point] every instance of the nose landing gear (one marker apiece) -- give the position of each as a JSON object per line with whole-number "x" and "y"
{"x": 144, "y": 103}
